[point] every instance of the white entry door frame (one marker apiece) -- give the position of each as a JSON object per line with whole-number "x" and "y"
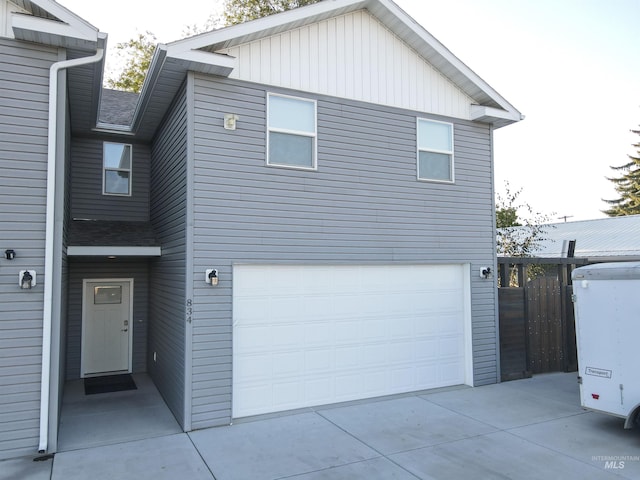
{"x": 107, "y": 326}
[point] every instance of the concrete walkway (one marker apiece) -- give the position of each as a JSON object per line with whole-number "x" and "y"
{"x": 525, "y": 429}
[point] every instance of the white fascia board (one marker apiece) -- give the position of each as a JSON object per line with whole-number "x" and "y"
{"x": 267, "y": 24}
{"x": 108, "y": 251}
{"x": 67, "y": 16}
{"x": 25, "y": 26}
{"x": 155, "y": 68}
{"x": 199, "y": 60}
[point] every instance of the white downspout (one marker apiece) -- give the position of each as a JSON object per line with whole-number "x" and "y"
{"x": 45, "y": 384}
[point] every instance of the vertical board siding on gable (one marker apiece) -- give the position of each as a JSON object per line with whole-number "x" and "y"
{"x": 363, "y": 205}
{"x": 346, "y": 50}
{"x": 24, "y": 80}
{"x": 78, "y": 271}
{"x": 87, "y": 200}
{"x": 168, "y": 283}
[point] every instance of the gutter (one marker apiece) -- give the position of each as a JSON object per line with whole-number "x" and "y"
{"x": 45, "y": 384}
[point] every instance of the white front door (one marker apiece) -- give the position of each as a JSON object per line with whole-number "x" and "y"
{"x": 107, "y": 336}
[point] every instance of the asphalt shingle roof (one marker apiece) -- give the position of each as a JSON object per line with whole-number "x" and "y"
{"x": 94, "y": 233}
{"x": 117, "y": 107}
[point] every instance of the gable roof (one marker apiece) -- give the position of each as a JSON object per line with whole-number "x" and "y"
{"x": 49, "y": 23}
{"x": 595, "y": 239}
{"x": 200, "y": 53}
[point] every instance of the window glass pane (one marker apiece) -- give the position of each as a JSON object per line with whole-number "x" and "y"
{"x": 434, "y": 166}
{"x": 116, "y": 182}
{"x": 434, "y": 136}
{"x": 288, "y": 149}
{"x": 104, "y": 295}
{"x": 292, "y": 114}
{"x": 117, "y": 155}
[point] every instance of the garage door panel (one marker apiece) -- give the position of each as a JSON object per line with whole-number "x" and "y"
{"x": 253, "y": 368}
{"x": 346, "y": 330}
{"x": 249, "y": 308}
{"x": 319, "y": 361}
{"x": 286, "y": 335}
{"x": 310, "y": 335}
{"x": 404, "y": 327}
{"x": 250, "y": 339}
{"x": 426, "y": 350}
{"x": 318, "y": 333}
{"x": 401, "y": 352}
{"x": 403, "y": 378}
{"x": 371, "y": 330}
{"x": 319, "y": 390}
{"x": 347, "y": 357}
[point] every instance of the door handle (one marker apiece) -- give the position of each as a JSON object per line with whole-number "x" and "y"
{"x": 126, "y": 326}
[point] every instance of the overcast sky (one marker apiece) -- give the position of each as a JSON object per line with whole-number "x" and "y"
{"x": 570, "y": 66}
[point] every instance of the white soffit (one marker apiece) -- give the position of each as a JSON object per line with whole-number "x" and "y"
{"x": 111, "y": 251}
{"x": 52, "y": 24}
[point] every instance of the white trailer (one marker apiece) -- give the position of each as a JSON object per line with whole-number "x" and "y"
{"x": 606, "y": 300}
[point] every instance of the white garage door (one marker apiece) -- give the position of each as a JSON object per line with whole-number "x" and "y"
{"x": 314, "y": 335}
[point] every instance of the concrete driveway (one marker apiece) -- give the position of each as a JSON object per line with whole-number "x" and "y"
{"x": 525, "y": 429}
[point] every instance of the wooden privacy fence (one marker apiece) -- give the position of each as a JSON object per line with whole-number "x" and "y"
{"x": 537, "y": 326}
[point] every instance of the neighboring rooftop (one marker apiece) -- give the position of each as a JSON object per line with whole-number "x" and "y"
{"x": 600, "y": 238}
{"x": 117, "y": 107}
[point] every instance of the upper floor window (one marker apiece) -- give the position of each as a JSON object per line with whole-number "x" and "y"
{"x": 435, "y": 151}
{"x": 116, "y": 169}
{"x": 291, "y": 135}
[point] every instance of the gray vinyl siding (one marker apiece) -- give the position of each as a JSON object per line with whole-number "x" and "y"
{"x": 168, "y": 283}
{"x": 78, "y": 271}
{"x": 87, "y": 200}
{"x": 362, "y": 205}
{"x": 24, "y": 80}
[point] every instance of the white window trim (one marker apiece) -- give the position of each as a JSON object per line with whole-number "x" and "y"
{"x": 130, "y": 170}
{"x": 313, "y": 135}
{"x": 451, "y": 152}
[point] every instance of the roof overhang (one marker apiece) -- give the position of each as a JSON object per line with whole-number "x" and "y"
{"x": 49, "y": 23}
{"x": 113, "y": 251}
{"x": 199, "y": 53}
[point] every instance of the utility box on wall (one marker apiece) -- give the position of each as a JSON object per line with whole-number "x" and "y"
{"x": 607, "y": 310}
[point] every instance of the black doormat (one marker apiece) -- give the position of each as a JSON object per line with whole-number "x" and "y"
{"x": 109, "y": 383}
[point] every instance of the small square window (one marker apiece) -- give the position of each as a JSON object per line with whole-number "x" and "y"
{"x": 116, "y": 169}
{"x": 435, "y": 151}
{"x": 291, "y": 134}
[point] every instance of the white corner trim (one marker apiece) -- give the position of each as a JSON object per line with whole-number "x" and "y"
{"x": 106, "y": 251}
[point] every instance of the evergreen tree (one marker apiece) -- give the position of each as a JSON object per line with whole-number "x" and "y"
{"x": 627, "y": 186}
